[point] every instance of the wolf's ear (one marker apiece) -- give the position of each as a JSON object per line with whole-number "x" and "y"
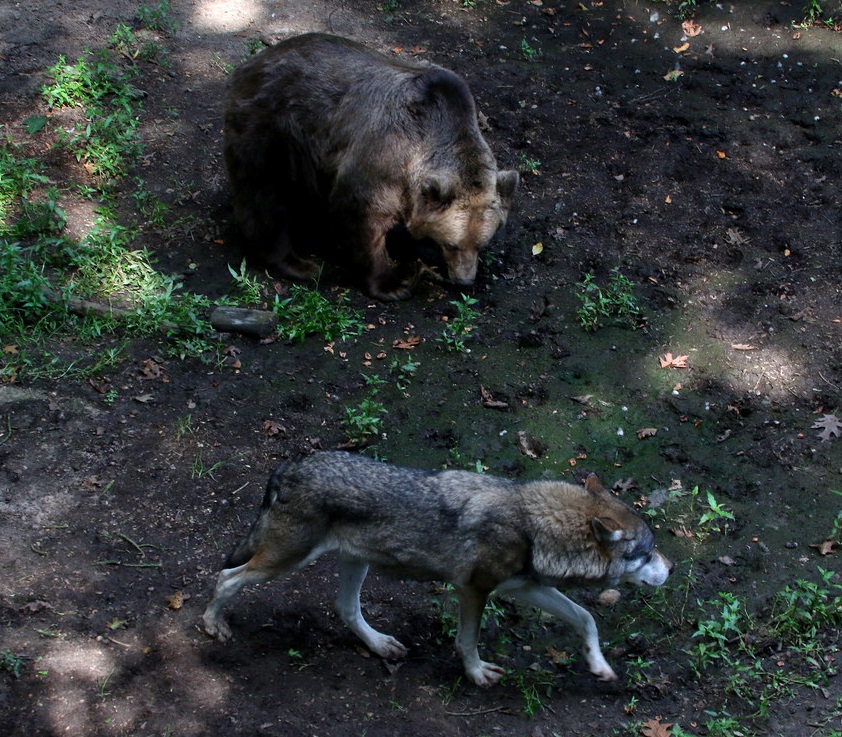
{"x": 507, "y": 182}
{"x": 593, "y": 484}
{"x": 606, "y": 530}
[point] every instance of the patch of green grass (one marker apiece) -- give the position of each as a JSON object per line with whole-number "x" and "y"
{"x": 616, "y": 302}
{"x": 748, "y": 649}
{"x": 308, "y": 312}
{"x": 107, "y": 140}
{"x": 157, "y": 17}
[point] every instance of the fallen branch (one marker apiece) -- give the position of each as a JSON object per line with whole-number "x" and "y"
{"x": 258, "y": 323}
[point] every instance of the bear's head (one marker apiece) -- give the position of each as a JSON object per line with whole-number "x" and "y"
{"x": 462, "y": 219}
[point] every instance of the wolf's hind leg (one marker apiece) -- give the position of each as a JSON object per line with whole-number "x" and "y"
{"x": 471, "y": 607}
{"x": 351, "y": 577}
{"x": 554, "y": 602}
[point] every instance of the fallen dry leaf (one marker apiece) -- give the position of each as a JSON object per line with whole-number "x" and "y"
{"x": 10, "y": 350}
{"x": 656, "y": 728}
{"x": 273, "y": 428}
{"x": 670, "y": 361}
{"x": 681, "y": 49}
{"x": 691, "y": 28}
{"x": 529, "y": 445}
{"x": 176, "y": 601}
{"x": 537, "y": 248}
{"x": 489, "y": 401}
{"x": 557, "y": 657}
{"x": 647, "y": 432}
{"x": 829, "y": 425}
{"x": 151, "y": 368}
{"x": 743, "y": 347}
{"x": 826, "y": 547}
{"x": 406, "y": 344}
{"x": 583, "y": 399}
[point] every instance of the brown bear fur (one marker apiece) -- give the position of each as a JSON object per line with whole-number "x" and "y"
{"x": 320, "y": 130}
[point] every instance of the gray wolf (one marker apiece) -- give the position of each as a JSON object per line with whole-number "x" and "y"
{"x": 476, "y": 532}
{"x": 320, "y": 129}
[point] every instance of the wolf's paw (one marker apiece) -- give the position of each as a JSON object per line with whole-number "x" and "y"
{"x": 387, "y": 647}
{"x": 485, "y": 674}
{"x": 217, "y": 628}
{"x": 605, "y": 674}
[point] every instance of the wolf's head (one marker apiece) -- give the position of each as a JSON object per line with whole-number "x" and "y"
{"x": 587, "y": 533}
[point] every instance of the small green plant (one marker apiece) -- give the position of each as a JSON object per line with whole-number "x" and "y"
{"x": 365, "y": 421}
{"x": 636, "y": 672}
{"x": 715, "y": 518}
{"x": 157, "y": 17}
{"x": 390, "y": 7}
{"x": 102, "y": 685}
{"x": 719, "y": 637}
{"x": 530, "y": 53}
{"x": 199, "y": 469}
{"x": 616, "y": 302}
{"x": 404, "y": 372}
{"x": 297, "y": 660}
{"x": 458, "y": 330}
{"x": 11, "y": 662}
{"x": 802, "y": 610}
{"x": 534, "y": 687}
{"x": 528, "y": 165}
{"x": 247, "y": 286}
{"x": 184, "y": 426}
{"x": 253, "y": 46}
{"x": 308, "y": 312}
{"x": 218, "y": 62}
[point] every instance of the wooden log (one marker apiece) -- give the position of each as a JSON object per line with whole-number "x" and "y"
{"x": 258, "y": 323}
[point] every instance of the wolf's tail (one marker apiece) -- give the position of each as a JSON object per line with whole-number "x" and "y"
{"x": 247, "y": 548}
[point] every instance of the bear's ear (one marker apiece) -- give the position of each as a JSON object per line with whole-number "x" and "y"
{"x": 607, "y": 530}
{"x": 507, "y": 182}
{"x": 437, "y": 192}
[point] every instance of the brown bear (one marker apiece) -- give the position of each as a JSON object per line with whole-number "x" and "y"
{"x": 322, "y": 131}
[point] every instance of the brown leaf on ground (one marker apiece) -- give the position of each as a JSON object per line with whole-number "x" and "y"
{"x": 647, "y": 432}
{"x": 691, "y": 28}
{"x": 826, "y": 547}
{"x": 656, "y": 728}
{"x": 176, "y": 601}
{"x": 670, "y": 361}
{"x": 829, "y": 425}
{"x": 489, "y": 401}
{"x": 406, "y": 344}
{"x": 529, "y": 445}
{"x": 151, "y": 368}
{"x": 273, "y": 428}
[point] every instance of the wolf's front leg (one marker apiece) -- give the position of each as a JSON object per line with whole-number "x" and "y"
{"x": 351, "y": 577}
{"x": 551, "y": 600}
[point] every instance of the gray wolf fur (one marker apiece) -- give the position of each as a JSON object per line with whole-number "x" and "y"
{"x": 477, "y": 532}
{"x": 320, "y": 129}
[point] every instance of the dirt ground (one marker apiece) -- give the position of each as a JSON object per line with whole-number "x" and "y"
{"x": 706, "y": 166}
